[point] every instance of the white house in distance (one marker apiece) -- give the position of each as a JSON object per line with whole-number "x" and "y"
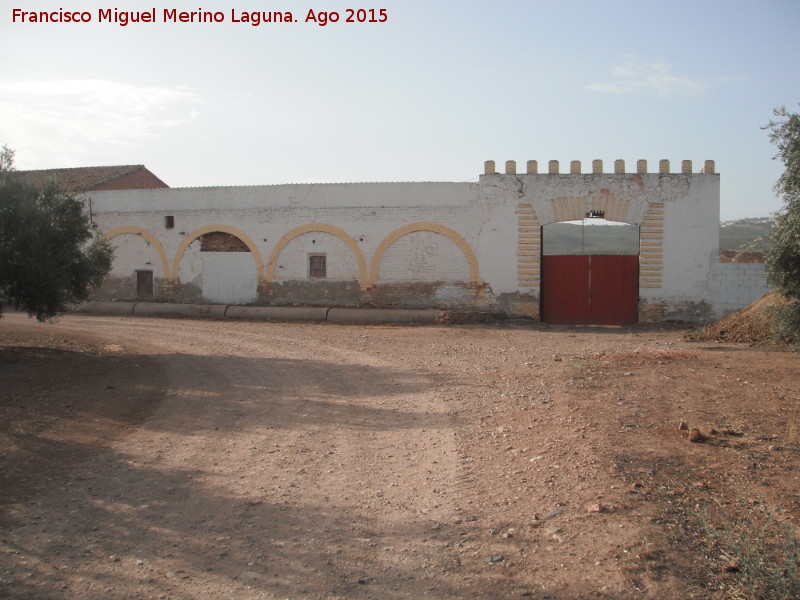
{"x": 480, "y": 246}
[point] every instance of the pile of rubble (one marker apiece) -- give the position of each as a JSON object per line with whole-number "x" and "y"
{"x": 750, "y": 325}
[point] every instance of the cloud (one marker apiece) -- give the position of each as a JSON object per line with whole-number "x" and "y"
{"x": 61, "y": 120}
{"x": 632, "y": 77}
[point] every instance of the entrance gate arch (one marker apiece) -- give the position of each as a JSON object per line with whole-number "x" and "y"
{"x": 590, "y": 281}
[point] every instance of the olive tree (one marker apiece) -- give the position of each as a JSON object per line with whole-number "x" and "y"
{"x": 50, "y": 253}
{"x": 783, "y": 257}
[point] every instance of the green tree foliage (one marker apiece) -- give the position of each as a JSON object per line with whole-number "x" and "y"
{"x": 50, "y": 254}
{"x": 783, "y": 257}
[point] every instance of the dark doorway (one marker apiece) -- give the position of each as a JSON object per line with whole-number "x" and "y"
{"x": 144, "y": 284}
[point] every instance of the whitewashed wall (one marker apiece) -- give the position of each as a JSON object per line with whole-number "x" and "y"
{"x": 228, "y": 278}
{"x": 461, "y": 247}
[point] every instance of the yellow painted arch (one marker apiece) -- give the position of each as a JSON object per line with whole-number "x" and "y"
{"x": 176, "y": 262}
{"x": 475, "y": 277}
{"x": 322, "y": 228}
{"x": 133, "y": 230}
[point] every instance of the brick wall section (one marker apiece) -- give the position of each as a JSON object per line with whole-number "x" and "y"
{"x": 739, "y": 285}
{"x": 529, "y": 247}
{"x": 220, "y": 241}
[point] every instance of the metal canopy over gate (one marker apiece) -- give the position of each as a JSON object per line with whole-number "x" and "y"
{"x": 590, "y": 289}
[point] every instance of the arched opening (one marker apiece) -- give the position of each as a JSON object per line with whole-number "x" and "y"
{"x": 139, "y": 268}
{"x": 272, "y": 270}
{"x": 218, "y": 264}
{"x": 590, "y": 272}
{"x": 315, "y": 268}
{"x": 424, "y": 264}
{"x": 228, "y": 272}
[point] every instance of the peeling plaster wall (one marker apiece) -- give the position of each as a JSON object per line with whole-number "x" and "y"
{"x": 424, "y": 256}
{"x": 190, "y": 274}
{"x": 292, "y": 264}
{"x": 365, "y": 214}
{"x": 132, "y": 253}
{"x": 691, "y": 248}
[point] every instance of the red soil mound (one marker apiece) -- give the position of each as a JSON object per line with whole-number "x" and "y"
{"x": 750, "y": 325}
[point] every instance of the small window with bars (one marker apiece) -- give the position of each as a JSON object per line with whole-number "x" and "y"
{"x": 317, "y": 266}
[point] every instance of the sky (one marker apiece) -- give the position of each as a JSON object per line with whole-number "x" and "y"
{"x": 428, "y": 94}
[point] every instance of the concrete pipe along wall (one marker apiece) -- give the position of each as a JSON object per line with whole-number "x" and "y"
{"x": 261, "y": 313}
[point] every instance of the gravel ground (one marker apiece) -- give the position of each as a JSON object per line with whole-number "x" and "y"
{"x": 159, "y": 458}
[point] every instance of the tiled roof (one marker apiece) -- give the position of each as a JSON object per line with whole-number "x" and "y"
{"x": 82, "y": 179}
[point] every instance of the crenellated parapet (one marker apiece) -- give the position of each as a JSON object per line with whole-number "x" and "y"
{"x": 575, "y": 167}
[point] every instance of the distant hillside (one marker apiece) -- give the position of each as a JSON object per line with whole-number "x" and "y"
{"x": 569, "y": 238}
{"x": 744, "y": 234}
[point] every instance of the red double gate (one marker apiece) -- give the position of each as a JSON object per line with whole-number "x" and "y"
{"x": 590, "y": 290}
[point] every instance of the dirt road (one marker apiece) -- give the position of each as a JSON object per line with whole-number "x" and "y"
{"x": 199, "y": 459}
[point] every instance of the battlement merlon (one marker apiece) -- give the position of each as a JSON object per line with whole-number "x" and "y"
{"x": 489, "y": 167}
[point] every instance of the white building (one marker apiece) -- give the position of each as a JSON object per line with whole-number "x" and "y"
{"x": 461, "y": 246}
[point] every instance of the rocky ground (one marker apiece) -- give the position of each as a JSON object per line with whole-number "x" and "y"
{"x": 155, "y": 458}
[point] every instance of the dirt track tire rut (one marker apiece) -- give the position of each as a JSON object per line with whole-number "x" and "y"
{"x": 273, "y": 461}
